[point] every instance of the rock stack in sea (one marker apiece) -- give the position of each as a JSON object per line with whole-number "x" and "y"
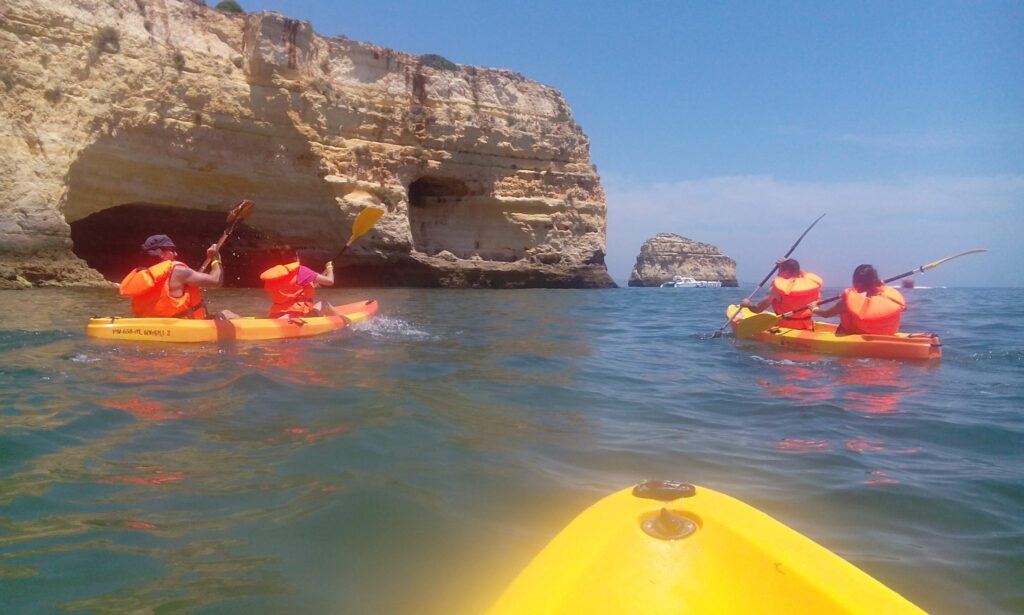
{"x": 666, "y": 255}
{"x": 123, "y": 118}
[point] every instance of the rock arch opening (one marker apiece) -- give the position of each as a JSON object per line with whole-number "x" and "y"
{"x": 181, "y": 180}
{"x": 109, "y": 240}
{"x": 446, "y": 215}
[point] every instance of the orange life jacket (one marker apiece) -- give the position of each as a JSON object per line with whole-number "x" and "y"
{"x": 286, "y": 296}
{"x": 795, "y": 293}
{"x": 149, "y": 289}
{"x": 877, "y": 314}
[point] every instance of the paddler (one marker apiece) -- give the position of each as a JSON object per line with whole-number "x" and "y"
{"x": 166, "y": 287}
{"x": 870, "y": 307}
{"x": 792, "y": 289}
{"x": 292, "y": 286}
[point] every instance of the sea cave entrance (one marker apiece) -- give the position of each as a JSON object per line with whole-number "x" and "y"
{"x": 109, "y": 240}
{"x": 444, "y": 214}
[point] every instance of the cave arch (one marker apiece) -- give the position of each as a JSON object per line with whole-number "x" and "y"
{"x": 109, "y": 240}
{"x": 181, "y": 180}
{"x": 445, "y": 214}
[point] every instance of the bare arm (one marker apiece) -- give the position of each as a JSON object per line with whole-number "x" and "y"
{"x": 184, "y": 275}
{"x": 831, "y": 311}
{"x": 772, "y": 295}
{"x": 760, "y": 305}
{"x": 327, "y": 277}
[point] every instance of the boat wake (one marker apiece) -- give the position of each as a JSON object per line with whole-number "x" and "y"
{"x": 789, "y": 362}
{"x": 384, "y": 327}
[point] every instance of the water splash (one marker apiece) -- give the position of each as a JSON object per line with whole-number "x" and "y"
{"x": 82, "y": 358}
{"x": 789, "y": 362}
{"x": 392, "y": 328}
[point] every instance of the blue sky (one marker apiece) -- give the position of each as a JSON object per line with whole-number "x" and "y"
{"x": 738, "y": 123}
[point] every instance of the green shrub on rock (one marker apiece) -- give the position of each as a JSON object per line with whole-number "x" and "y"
{"x": 439, "y": 62}
{"x": 107, "y": 40}
{"x": 54, "y": 94}
{"x": 229, "y": 6}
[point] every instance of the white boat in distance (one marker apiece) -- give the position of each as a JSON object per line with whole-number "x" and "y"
{"x": 679, "y": 281}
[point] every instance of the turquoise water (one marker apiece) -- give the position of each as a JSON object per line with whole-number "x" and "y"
{"x": 417, "y": 462}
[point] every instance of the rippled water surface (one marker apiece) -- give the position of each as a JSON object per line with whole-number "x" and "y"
{"x": 418, "y": 461}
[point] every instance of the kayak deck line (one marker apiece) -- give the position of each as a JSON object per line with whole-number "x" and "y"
{"x": 673, "y": 548}
{"x": 215, "y": 330}
{"x": 823, "y": 339}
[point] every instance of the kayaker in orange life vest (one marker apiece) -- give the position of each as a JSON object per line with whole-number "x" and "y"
{"x": 292, "y": 286}
{"x": 792, "y": 289}
{"x": 167, "y": 288}
{"x": 869, "y": 307}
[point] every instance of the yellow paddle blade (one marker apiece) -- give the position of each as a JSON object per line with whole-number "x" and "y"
{"x": 752, "y": 325}
{"x": 365, "y": 221}
{"x": 949, "y": 258}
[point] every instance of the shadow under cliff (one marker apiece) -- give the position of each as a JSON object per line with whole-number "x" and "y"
{"x": 109, "y": 240}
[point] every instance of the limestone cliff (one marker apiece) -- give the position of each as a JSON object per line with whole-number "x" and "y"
{"x": 666, "y": 255}
{"x": 123, "y": 118}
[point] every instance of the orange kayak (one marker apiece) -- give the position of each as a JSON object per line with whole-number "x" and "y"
{"x": 185, "y": 330}
{"x": 823, "y": 339}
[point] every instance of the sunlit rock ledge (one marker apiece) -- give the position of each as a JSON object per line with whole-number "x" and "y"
{"x": 666, "y": 255}
{"x": 124, "y": 118}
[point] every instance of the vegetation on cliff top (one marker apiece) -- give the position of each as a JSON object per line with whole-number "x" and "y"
{"x": 439, "y": 62}
{"x": 229, "y": 6}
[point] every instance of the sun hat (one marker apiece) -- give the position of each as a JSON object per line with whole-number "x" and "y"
{"x": 154, "y": 243}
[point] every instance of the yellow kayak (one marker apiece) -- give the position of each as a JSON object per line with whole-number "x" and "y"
{"x": 667, "y": 548}
{"x": 823, "y": 339}
{"x": 186, "y": 330}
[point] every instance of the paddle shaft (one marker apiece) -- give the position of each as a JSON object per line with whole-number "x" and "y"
{"x": 342, "y": 250}
{"x": 776, "y": 267}
{"x": 362, "y": 225}
{"x": 238, "y": 213}
{"x": 770, "y": 273}
{"x": 920, "y": 269}
{"x": 220, "y": 242}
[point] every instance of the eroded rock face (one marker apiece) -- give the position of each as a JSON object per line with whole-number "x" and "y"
{"x": 666, "y": 255}
{"x": 123, "y": 118}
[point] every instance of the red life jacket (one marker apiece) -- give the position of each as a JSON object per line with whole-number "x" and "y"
{"x": 149, "y": 289}
{"x": 286, "y": 296}
{"x": 795, "y": 293}
{"x": 877, "y": 314}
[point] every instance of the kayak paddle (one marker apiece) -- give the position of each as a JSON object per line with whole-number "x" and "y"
{"x": 761, "y": 322}
{"x": 718, "y": 333}
{"x": 235, "y": 216}
{"x": 364, "y": 222}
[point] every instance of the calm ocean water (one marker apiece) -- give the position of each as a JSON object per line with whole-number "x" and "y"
{"x": 417, "y": 462}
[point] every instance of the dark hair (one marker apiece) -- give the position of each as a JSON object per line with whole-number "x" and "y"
{"x": 865, "y": 278}
{"x": 149, "y": 259}
{"x": 790, "y": 265}
{"x": 287, "y": 252}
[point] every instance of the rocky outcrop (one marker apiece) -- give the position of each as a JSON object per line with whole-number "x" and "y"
{"x": 124, "y": 118}
{"x": 666, "y": 255}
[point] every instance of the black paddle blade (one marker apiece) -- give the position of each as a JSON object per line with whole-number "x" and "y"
{"x": 240, "y": 212}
